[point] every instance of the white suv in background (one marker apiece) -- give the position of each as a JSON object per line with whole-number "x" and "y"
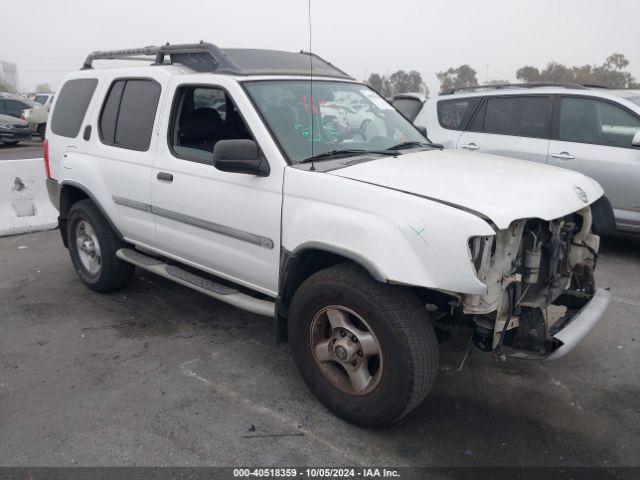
{"x": 214, "y": 169}
{"x": 594, "y": 131}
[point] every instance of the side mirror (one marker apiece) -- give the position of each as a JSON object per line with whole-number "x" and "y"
{"x": 636, "y": 140}
{"x": 239, "y": 156}
{"x": 422, "y": 129}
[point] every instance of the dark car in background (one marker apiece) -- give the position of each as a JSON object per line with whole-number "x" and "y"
{"x": 13, "y": 130}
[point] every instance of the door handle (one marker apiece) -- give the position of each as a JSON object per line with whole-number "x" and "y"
{"x": 470, "y": 146}
{"x": 563, "y": 156}
{"x": 165, "y": 177}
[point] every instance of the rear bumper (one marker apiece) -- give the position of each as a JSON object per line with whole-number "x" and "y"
{"x": 584, "y": 321}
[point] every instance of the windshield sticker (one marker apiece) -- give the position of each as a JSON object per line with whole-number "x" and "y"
{"x": 376, "y": 99}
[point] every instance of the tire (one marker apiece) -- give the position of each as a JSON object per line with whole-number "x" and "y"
{"x": 86, "y": 222}
{"x": 399, "y": 324}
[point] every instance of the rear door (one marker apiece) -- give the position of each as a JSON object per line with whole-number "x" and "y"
{"x": 593, "y": 136}
{"x": 123, "y": 145}
{"x": 511, "y": 125}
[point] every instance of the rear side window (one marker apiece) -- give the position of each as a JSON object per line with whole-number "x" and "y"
{"x": 128, "y": 113}
{"x": 587, "y": 120}
{"x": 71, "y": 107}
{"x": 455, "y": 114}
{"x": 520, "y": 116}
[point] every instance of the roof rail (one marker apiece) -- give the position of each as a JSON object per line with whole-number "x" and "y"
{"x": 449, "y": 91}
{"x": 202, "y": 57}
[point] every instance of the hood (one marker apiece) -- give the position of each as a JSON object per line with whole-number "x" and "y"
{"x": 499, "y": 188}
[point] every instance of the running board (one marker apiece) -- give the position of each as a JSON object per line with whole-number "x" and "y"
{"x": 203, "y": 285}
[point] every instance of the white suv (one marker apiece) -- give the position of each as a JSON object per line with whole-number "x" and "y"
{"x": 213, "y": 168}
{"x": 591, "y": 130}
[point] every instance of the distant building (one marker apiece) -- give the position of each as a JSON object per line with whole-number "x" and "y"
{"x": 9, "y": 73}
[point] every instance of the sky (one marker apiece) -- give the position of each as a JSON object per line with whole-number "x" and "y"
{"x": 495, "y": 37}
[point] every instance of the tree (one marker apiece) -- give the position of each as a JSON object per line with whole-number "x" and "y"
{"x": 403, "y": 82}
{"x": 6, "y": 87}
{"x": 557, "y": 73}
{"x": 528, "y": 74}
{"x": 398, "y": 82}
{"x": 463, "y": 76}
{"x": 380, "y": 84}
{"x": 43, "y": 88}
{"x": 611, "y": 73}
{"x": 616, "y": 61}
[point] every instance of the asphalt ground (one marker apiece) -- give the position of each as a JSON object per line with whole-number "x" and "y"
{"x": 158, "y": 374}
{"x": 30, "y": 149}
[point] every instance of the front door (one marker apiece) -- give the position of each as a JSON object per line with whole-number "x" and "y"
{"x": 225, "y": 223}
{"x": 593, "y": 137}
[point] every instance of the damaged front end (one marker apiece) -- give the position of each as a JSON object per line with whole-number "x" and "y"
{"x": 541, "y": 298}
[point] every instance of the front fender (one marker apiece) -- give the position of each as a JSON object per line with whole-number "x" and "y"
{"x": 400, "y": 238}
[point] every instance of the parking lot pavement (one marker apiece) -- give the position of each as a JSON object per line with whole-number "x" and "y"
{"x": 160, "y": 375}
{"x": 32, "y": 149}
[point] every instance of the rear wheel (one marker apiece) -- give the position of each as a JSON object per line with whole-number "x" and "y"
{"x": 93, "y": 245}
{"x": 367, "y": 350}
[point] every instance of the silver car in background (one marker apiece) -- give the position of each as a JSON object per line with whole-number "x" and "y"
{"x": 594, "y": 131}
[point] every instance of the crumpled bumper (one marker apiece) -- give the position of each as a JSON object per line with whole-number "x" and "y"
{"x": 574, "y": 331}
{"x": 584, "y": 321}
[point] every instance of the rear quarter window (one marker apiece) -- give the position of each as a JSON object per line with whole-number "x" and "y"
{"x": 71, "y": 107}
{"x": 455, "y": 114}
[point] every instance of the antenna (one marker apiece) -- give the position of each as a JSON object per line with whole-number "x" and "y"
{"x": 313, "y": 167}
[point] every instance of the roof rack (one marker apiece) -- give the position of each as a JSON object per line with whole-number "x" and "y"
{"x": 202, "y": 57}
{"x": 579, "y": 86}
{"x": 207, "y": 57}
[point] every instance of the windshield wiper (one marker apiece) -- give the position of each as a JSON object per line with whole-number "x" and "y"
{"x": 404, "y": 145}
{"x": 344, "y": 153}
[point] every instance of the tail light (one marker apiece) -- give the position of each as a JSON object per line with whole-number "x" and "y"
{"x": 22, "y": 116}
{"x": 45, "y": 152}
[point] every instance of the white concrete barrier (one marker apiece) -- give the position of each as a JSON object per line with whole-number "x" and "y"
{"x": 24, "y": 202}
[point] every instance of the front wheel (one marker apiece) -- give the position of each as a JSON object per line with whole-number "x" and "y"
{"x": 367, "y": 350}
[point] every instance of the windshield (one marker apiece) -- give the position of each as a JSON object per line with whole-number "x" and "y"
{"x": 41, "y": 99}
{"x": 345, "y": 116}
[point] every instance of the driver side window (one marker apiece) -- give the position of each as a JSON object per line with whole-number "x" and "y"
{"x": 201, "y": 117}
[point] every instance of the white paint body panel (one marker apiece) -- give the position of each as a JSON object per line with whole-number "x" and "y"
{"x": 381, "y": 226}
{"x": 502, "y": 189}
